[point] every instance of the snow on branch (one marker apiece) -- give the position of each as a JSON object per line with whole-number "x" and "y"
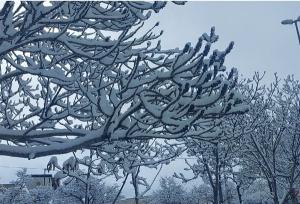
{"x": 77, "y": 74}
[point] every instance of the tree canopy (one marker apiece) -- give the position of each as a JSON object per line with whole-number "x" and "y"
{"x": 79, "y": 74}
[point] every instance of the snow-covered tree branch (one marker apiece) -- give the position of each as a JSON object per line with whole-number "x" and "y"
{"x": 77, "y": 74}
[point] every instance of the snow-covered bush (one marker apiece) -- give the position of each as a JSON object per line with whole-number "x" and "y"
{"x": 74, "y": 191}
{"x": 20, "y": 194}
{"x": 200, "y": 194}
{"x": 41, "y": 194}
{"x": 16, "y": 195}
{"x": 169, "y": 192}
{"x": 258, "y": 192}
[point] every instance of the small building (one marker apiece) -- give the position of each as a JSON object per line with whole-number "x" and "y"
{"x": 39, "y": 180}
{"x": 6, "y": 186}
{"x": 33, "y": 181}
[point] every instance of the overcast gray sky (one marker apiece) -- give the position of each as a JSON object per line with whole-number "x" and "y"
{"x": 261, "y": 44}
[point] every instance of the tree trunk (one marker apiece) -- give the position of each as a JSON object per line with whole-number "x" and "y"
{"x": 228, "y": 196}
{"x": 274, "y": 181}
{"x": 124, "y": 182}
{"x": 275, "y": 197}
{"x": 136, "y": 192}
{"x": 87, "y": 185}
{"x": 238, "y": 189}
{"x": 217, "y": 198}
{"x": 135, "y": 185}
{"x": 216, "y": 195}
{"x": 221, "y": 197}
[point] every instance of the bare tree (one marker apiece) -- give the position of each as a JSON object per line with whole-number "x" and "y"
{"x": 218, "y": 155}
{"x": 212, "y": 165}
{"x": 273, "y": 147}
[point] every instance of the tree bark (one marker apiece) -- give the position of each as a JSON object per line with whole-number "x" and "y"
{"x": 217, "y": 175}
{"x": 221, "y": 197}
{"x": 87, "y": 185}
{"x": 238, "y": 189}
{"x": 135, "y": 185}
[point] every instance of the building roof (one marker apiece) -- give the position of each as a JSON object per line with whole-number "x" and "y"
{"x": 7, "y": 185}
{"x": 41, "y": 175}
